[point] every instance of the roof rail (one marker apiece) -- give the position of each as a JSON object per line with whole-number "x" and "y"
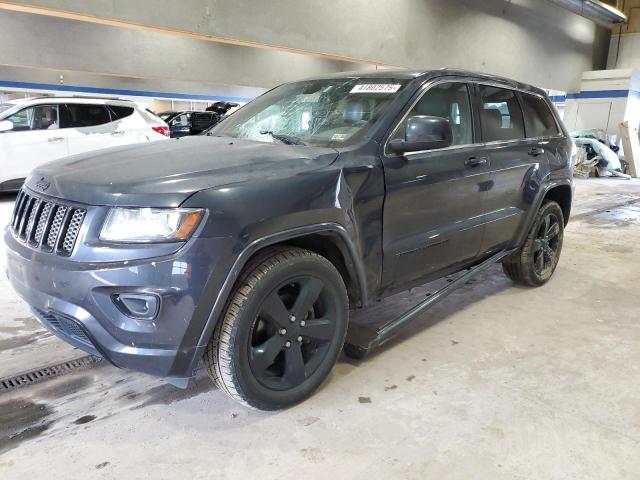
{"x": 79, "y": 96}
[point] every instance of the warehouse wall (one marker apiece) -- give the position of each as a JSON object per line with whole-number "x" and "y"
{"x": 59, "y": 44}
{"x": 57, "y": 81}
{"x": 602, "y": 102}
{"x": 513, "y": 38}
{"x": 624, "y": 51}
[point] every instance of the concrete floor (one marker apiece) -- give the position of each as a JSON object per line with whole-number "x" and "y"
{"x": 497, "y": 382}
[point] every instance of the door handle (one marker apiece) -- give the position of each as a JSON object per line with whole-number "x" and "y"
{"x": 535, "y": 151}
{"x": 117, "y": 133}
{"x": 55, "y": 139}
{"x": 475, "y": 161}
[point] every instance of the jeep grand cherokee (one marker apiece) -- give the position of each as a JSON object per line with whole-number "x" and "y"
{"x": 247, "y": 248}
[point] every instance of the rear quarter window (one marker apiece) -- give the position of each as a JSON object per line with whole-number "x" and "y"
{"x": 539, "y": 119}
{"x": 118, "y": 112}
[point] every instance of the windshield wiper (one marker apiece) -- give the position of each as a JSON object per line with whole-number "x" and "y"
{"x": 286, "y": 139}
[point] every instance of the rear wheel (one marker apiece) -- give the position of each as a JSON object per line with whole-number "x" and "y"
{"x": 282, "y": 331}
{"x": 534, "y": 263}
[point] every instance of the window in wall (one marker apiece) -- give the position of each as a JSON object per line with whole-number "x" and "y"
{"x": 450, "y": 101}
{"x": 501, "y": 115}
{"x": 538, "y": 116}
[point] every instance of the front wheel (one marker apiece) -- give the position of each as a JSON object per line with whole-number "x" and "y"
{"x": 282, "y": 331}
{"x": 534, "y": 263}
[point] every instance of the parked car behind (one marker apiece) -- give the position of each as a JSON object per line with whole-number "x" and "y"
{"x": 36, "y": 130}
{"x": 164, "y": 116}
{"x": 190, "y": 122}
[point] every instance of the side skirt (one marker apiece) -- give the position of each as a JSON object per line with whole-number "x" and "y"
{"x": 360, "y": 339}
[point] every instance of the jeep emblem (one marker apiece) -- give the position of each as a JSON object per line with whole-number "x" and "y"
{"x": 43, "y": 184}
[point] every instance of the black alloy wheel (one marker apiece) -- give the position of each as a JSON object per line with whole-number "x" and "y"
{"x": 283, "y": 329}
{"x": 545, "y": 245}
{"x": 535, "y": 261}
{"x": 291, "y": 333}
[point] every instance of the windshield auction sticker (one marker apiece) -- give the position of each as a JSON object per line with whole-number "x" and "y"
{"x": 376, "y": 88}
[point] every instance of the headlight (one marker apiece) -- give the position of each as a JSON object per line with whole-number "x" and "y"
{"x": 147, "y": 225}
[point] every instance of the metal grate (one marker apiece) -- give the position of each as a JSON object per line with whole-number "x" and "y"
{"x": 46, "y": 225}
{"x": 65, "y": 326}
{"x": 42, "y": 223}
{"x": 56, "y": 224}
{"x": 72, "y": 231}
{"x": 35, "y": 376}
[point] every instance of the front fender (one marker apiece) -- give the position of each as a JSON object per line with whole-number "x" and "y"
{"x": 277, "y": 238}
{"x": 257, "y": 215}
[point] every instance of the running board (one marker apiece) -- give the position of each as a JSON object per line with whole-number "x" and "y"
{"x": 360, "y": 339}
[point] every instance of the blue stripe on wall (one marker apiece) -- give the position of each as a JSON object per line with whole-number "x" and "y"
{"x": 600, "y": 94}
{"x": 215, "y": 98}
{"x": 117, "y": 91}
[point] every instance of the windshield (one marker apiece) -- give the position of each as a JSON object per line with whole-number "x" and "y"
{"x": 5, "y": 107}
{"x": 333, "y": 112}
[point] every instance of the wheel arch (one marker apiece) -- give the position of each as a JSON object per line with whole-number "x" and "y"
{"x": 331, "y": 238}
{"x": 560, "y": 191}
{"x": 562, "y": 194}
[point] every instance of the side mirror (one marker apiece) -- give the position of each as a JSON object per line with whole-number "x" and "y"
{"x": 6, "y": 125}
{"x": 424, "y": 132}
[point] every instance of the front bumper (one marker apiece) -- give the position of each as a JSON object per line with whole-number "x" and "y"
{"x": 73, "y": 299}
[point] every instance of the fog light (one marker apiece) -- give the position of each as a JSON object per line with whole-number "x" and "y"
{"x": 137, "y": 305}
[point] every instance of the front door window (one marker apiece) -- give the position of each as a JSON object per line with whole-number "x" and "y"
{"x": 40, "y": 117}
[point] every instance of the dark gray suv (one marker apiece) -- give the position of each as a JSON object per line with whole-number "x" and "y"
{"x": 246, "y": 248}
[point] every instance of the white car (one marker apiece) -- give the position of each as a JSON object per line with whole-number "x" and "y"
{"x": 36, "y": 130}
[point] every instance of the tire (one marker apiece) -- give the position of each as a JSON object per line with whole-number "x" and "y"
{"x": 534, "y": 263}
{"x": 282, "y": 331}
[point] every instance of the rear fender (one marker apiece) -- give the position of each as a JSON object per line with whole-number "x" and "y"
{"x": 538, "y": 203}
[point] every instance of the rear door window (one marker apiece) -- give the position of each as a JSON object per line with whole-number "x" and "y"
{"x": 539, "y": 119}
{"x": 86, "y": 115}
{"x": 201, "y": 121}
{"x": 500, "y": 114}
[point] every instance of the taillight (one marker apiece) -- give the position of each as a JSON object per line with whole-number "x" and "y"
{"x": 162, "y": 130}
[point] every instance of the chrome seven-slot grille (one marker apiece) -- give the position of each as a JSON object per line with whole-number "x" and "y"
{"x": 46, "y": 225}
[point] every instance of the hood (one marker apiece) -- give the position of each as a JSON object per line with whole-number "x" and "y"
{"x": 165, "y": 173}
